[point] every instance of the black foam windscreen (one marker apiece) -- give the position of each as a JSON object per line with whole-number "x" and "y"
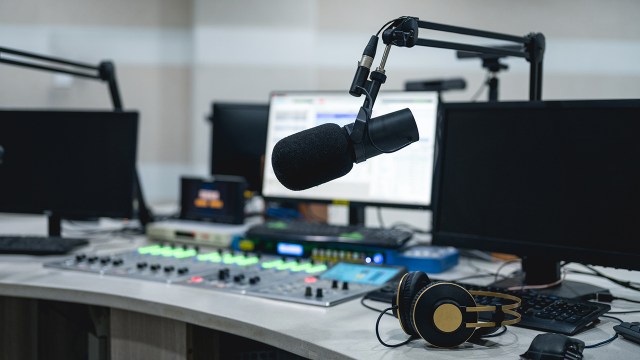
{"x": 312, "y": 157}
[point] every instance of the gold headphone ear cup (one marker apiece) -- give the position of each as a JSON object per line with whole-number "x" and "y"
{"x": 410, "y": 284}
{"x": 439, "y": 317}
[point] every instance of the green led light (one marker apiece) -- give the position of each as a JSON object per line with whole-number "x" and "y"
{"x": 248, "y": 261}
{"x": 317, "y": 269}
{"x": 301, "y": 267}
{"x": 185, "y": 254}
{"x": 213, "y": 257}
{"x": 148, "y": 249}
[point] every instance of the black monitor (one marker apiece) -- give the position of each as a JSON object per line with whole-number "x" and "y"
{"x": 401, "y": 179}
{"x": 68, "y": 164}
{"x": 239, "y": 132}
{"x": 549, "y": 181}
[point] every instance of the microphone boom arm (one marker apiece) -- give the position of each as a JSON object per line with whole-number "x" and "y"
{"x": 403, "y": 32}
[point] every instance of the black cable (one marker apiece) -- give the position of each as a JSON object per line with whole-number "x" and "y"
{"x": 380, "y": 221}
{"x": 623, "y": 283}
{"x": 389, "y": 23}
{"x": 479, "y": 91}
{"x": 503, "y": 329}
{"x": 609, "y": 339}
{"x": 371, "y": 307}
{"x": 624, "y": 312}
{"x": 409, "y": 227}
{"x": 378, "y": 333}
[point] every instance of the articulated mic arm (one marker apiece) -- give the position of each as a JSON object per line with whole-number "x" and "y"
{"x": 104, "y": 71}
{"x": 403, "y": 32}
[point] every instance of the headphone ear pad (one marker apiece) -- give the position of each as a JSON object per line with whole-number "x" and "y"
{"x": 439, "y": 310}
{"x": 410, "y": 284}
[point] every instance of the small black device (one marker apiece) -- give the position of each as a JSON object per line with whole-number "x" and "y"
{"x": 445, "y": 314}
{"x": 39, "y": 245}
{"x": 219, "y": 199}
{"x": 239, "y": 134}
{"x": 554, "y": 346}
{"x": 629, "y": 330}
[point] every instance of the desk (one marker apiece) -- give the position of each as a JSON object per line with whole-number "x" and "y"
{"x": 153, "y": 320}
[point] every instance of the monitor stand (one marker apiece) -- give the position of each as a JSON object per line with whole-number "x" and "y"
{"x": 540, "y": 271}
{"x": 356, "y": 215}
{"x": 54, "y": 224}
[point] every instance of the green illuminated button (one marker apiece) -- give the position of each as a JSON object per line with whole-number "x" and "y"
{"x": 302, "y": 267}
{"x": 185, "y": 254}
{"x": 231, "y": 259}
{"x": 248, "y": 261}
{"x": 167, "y": 251}
{"x": 148, "y": 249}
{"x": 212, "y": 256}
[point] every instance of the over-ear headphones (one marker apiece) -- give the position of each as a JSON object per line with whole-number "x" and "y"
{"x": 446, "y": 314}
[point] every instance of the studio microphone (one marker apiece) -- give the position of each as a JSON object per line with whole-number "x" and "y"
{"x": 326, "y": 152}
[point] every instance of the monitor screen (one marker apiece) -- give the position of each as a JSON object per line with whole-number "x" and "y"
{"x": 400, "y": 179}
{"x": 239, "y": 132}
{"x": 557, "y": 180}
{"x": 71, "y": 163}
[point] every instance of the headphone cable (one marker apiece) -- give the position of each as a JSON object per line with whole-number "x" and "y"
{"x": 378, "y": 333}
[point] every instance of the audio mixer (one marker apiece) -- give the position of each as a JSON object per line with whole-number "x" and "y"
{"x": 280, "y": 278}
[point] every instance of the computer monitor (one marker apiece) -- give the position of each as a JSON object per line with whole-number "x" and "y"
{"x": 549, "y": 181}
{"x": 68, "y": 164}
{"x": 400, "y": 179}
{"x": 239, "y": 132}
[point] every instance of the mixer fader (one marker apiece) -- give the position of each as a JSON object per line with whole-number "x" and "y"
{"x": 288, "y": 279}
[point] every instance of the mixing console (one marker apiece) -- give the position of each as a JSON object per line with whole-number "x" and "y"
{"x": 288, "y": 279}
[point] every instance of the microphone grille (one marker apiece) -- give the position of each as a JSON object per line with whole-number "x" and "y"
{"x": 312, "y": 157}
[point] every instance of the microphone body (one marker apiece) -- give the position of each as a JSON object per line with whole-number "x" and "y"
{"x": 312, "y": 157}
{"x": 326, "y": 152}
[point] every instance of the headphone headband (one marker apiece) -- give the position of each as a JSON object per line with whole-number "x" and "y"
{"x": 508, "y": 309}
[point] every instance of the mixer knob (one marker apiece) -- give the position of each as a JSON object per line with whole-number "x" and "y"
{"x": 141, "y": 265}
{"x": 334, "y": 284}
{"x": 169, "y": 268}
{"x": 92, "y": 259}
{"x": 254, "y": 280}
{"x": 80, "y": 257}
{"x": 238, "y": 278}
{"x": 345, "y": 285}
{"x": 308, "y": 292}
{"x": 183, "y": 270}
{"x": 118, "y": 262}
{"x": 105, "y": 260}
{"x": 155, "y": 267}
{"x": 222, "y": 275}
{"x": 319, "y": 293}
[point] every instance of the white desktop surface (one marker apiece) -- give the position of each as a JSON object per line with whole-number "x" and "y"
{"x": 344, "y": 331}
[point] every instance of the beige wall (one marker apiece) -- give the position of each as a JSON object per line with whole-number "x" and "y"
{"x": 175, "y": 57}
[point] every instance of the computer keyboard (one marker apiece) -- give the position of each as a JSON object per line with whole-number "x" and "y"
{"x": 297, "y": 230}
{"x": 539, "y": 311}
{"x": 38, "y": 245}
